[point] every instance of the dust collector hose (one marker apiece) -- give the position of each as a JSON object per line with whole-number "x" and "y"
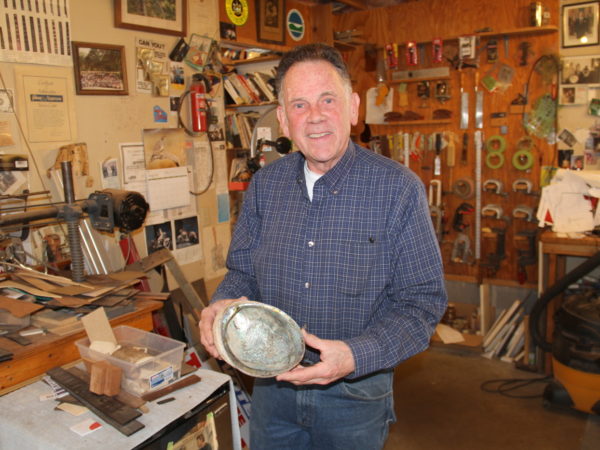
{"x": 540, "y": 305}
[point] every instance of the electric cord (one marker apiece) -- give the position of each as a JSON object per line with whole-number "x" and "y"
{"x": 194, "y": 133}
{"x": 506, "y": 386}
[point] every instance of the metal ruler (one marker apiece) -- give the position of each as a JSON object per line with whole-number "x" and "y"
{"x": 478, "y": 155}
{"x": 107, "y": 408}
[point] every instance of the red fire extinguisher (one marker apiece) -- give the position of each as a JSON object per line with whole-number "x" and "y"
{"x": 198, "y": 102}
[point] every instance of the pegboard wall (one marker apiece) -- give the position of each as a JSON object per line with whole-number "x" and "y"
{"x": 512, "y": 155}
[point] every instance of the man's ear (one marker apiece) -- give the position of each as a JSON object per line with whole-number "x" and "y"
{"x": 354, "y": 105}
{"x": 283, "y": 120}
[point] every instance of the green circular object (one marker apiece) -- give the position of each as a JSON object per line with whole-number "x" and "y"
{"x": 489, "y": 160}
{"x": 518, "y": 157}
{"x": 495, "y": 143}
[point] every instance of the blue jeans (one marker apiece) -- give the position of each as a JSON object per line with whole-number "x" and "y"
{"x": 345, "y": 415}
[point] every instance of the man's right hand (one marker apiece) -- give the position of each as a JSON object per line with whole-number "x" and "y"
{"x": 207, "y": 317}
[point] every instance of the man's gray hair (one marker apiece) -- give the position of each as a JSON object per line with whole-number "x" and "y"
{"x": 311, "y": 52}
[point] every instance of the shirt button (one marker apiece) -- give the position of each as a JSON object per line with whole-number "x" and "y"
{"x": 335, "y": 192}
{"x": 311, "y": 244}
{"x": 307, "y": 285}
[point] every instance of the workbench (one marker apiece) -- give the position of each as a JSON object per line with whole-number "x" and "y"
{"x": 554, "y": 250}
{"x": 30, "y": 423}
{"x": 48, "y": 351}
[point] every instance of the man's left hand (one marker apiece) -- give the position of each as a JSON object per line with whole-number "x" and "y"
{"x": 336, "y": 362}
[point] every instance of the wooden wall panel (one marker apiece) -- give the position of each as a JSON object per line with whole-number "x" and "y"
{"x": 422, "y": 21}
{"x": 316, "y": 18}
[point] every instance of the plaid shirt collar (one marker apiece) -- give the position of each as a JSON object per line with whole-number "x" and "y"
{"x": 336, "y": 175}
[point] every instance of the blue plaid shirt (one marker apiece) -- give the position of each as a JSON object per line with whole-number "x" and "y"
{"x": 360, "y": 263}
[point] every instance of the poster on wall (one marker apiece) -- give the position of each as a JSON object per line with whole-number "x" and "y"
{"x": 36, "y": 32}
{"x": 45, "y": 103}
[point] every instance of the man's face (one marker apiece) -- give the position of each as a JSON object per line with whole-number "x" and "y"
{"x": 317, "y": 112}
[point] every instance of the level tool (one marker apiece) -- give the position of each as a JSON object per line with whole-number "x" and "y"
{"x": 464, "y": 104}
{"x": 478, "y": 150}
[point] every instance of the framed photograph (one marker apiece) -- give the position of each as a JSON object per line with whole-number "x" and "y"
{"x": 572, "y": 95}
{"x": 99, "y": 69}
{"x": 270, "y": 15}
{"x": 580, "y": 70}
{"x": 580, "y": 24}
{"x": 164, "y": 16}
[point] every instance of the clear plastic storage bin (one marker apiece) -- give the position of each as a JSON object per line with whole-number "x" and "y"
{"x": 149, "y": 361}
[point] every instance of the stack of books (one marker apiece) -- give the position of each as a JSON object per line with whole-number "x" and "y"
{"x": 253, "y": 88}
{"x": 239, "y": 128}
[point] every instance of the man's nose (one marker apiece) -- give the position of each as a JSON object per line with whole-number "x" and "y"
{"x": 315, "y": 114}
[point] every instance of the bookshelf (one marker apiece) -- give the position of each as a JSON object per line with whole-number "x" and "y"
{"x": 249, "y": 93}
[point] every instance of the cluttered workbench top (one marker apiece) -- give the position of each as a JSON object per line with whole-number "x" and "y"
{"x": 41, "y": 317}
{"x": 35, "y": 423}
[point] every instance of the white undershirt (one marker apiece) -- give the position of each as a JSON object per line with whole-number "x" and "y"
{"x": 311, "y": 179}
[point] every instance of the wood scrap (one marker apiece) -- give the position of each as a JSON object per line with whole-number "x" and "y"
{"x": 18, "y": 308}
{"x": 105, "y": 378}
{"x": 184, "y": 382}
{"x": 125, "y": 397}
{"x": 27, "y": 288}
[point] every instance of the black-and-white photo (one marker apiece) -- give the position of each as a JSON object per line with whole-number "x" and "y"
{"x": 580, "y": 70}
{"x": 580, "y": 24}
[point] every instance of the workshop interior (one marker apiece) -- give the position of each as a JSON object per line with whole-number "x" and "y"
{"x": 130, "y": 131}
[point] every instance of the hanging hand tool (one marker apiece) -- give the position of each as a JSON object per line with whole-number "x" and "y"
{"x": 493, "y": 260}
{"x": 437, "y": 162}
{"x": 458, "y": 223}
{"x": 406, "y": 149}
{"x": 492, "y": 210}
{"x": 524, "y": 212}
{"x": 464, "y": 155}
{"x": 494, "y": 186}
{"x": 461, "y": 249}
{"x": 435, "y": 207}
{"x": 450, "y": 149}
{"x": 526, "y": 257}
{"x": 464, "y": 104}
{"x": 478, "y": 103}
{"x": 524, "y": 186}
{"x": 478, "y": 155}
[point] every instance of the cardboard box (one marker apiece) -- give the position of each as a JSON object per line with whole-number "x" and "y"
{"x": 463, "y": 310}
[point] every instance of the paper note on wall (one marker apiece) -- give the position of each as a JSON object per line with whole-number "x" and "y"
{"x": 168, "y": 188}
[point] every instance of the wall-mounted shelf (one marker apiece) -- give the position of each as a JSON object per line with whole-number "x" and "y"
{"x": 417, "y": 80}
{"x": 249, "y": 105}
{"x": 417, "y": 122}
{"x": 248, "y": 43}
{"x": 546, "y": 29}
{"x": 241, "y": 62}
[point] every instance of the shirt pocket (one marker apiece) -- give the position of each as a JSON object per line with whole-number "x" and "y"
{"x": 353, "y": 266}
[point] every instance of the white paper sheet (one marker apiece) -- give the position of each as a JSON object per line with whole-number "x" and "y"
{"x": 168, "y": 188}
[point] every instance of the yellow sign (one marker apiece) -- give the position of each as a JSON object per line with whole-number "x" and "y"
{"x": 237, "y": 11}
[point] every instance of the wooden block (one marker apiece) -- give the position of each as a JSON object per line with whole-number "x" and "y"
{"x": 105, "y": 378}
{"x": 123, "y": 396}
